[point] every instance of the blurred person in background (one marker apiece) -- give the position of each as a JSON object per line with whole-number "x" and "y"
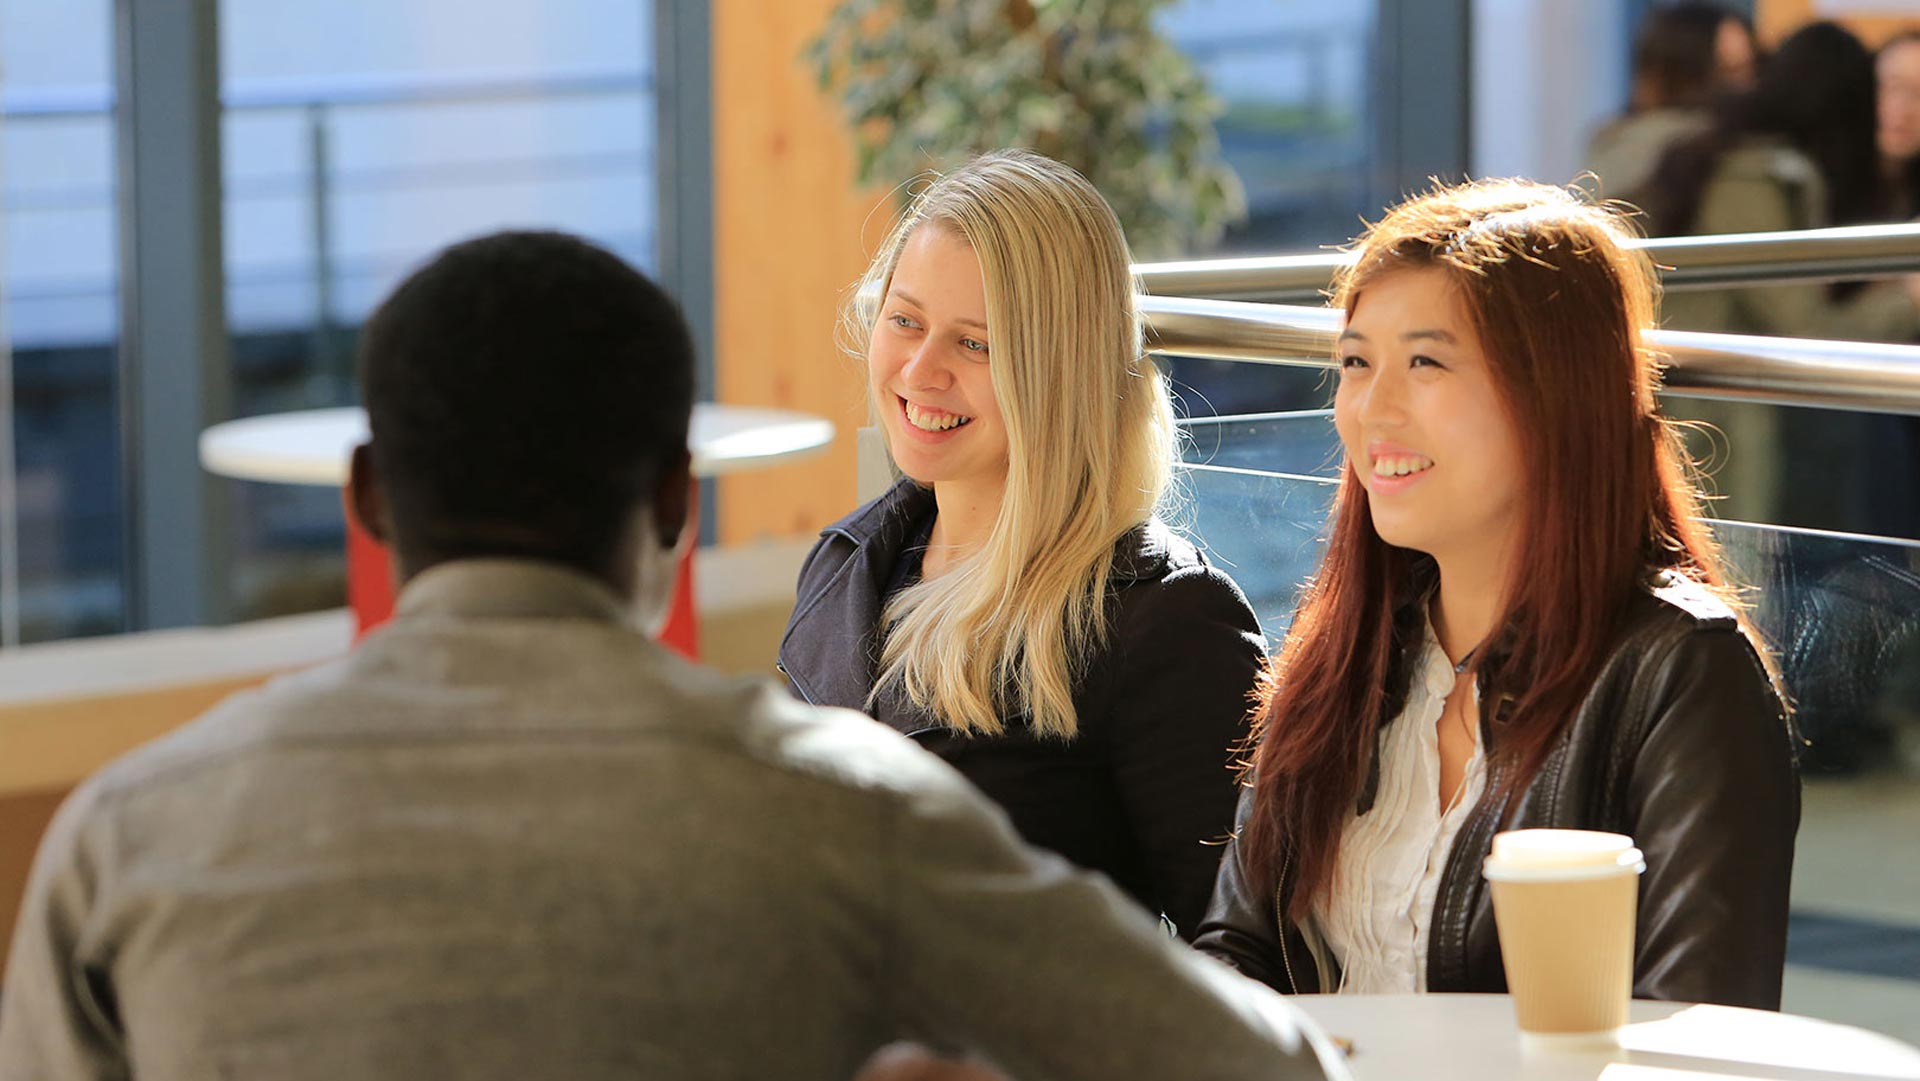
{"x": 1807, "y": 148}
{"x": 1685, "y": 56}
{"x": 1799, "y": 151}
{"x": 1897, "y": 69}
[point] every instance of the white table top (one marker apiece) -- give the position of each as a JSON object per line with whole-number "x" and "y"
{"x": 1474, "y": 1038}
{"x": 313, "y": 446}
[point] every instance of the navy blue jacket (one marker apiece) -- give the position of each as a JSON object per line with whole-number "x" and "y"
{"x": 1144, "y": 793}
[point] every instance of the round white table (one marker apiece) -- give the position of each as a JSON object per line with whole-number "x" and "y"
{"x": 1474, "y": 1038}
{"x": 312, "y": 447}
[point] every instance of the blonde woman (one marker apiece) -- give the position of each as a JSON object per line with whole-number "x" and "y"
{"x": 1013, "y": 604}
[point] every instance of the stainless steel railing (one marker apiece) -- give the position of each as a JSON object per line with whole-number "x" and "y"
{"x": 1688, "y": 263}
{"x": 1790, "y": 371}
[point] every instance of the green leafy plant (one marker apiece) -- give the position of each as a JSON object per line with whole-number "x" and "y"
{"x": 929, "y": 83}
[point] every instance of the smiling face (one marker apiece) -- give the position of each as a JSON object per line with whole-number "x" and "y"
{"x": 1898, "y": 72}
{"x": 1422, "y": 422}
{"x": 928, "y": 367}
{"x": 1734, "y": 64}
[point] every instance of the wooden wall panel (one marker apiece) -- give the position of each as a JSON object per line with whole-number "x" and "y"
{"x": 57, "y": 743}
{"x": 23, "y": 818}
{"x": 791, "y": 233}
{"x": 1775, "y": 19}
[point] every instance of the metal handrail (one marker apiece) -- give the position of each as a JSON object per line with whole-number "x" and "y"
{"x": 1686, "y": 262}
{"x": 1863, "y": 376}
{"x": 342, "y": 91}
{"x": 315, "y": 101}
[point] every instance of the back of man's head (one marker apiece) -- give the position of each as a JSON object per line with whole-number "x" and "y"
{"x": 527, "y": 392}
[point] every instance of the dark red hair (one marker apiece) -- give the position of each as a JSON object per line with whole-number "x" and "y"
{"x": 1559, "y": 302}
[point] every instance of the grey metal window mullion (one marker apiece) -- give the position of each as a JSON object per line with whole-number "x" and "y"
{"x": 175, "y": 379}
{"x": 683, "y": 66}
{"x": 9, "y": 475}
{"x": 1421, "y": 102}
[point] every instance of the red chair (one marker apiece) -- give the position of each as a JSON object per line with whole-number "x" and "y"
{"x": 370, "y": 587}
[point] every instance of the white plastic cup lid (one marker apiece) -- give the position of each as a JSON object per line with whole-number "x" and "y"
{"x": 1537, "y": 855}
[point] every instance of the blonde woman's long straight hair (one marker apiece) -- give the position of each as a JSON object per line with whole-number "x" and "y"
{"x": 1090, "y": 436}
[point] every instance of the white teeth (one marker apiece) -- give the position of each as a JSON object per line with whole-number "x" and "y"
{"x": 1400, "y": 465}
{"x": 933, "y": 422}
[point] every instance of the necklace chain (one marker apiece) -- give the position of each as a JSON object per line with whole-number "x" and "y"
{"x": 1465, "y": 728}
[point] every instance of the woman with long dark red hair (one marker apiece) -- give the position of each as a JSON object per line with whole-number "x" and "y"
{"x": 1520, "y": 621}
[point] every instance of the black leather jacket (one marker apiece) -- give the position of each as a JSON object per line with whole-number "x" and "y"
{"x": 1144, "y": 793}
{"x": 1682, "y": 744}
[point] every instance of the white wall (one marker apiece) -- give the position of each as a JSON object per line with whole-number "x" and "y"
{"x": 1545, "y": 74}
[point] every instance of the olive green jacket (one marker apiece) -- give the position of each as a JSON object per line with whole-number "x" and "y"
{"x": 1765, "y": 186}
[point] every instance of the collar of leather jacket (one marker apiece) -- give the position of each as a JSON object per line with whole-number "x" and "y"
{"x": 842, "y": 590}
{"x": 1659, "y": 587}
{"x": 1139, "y": 555}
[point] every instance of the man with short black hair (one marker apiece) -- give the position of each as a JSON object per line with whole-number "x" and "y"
{"x": 529, "y": 396}
{"x": 510, "y": 836}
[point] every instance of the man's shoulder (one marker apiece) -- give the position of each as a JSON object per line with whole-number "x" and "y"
{"x": 660, "y": 705}
{"x": 229, "y": 727}
{"x": 837, "y": 747}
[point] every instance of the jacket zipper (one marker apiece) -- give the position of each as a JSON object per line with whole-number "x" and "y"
{"x": 781, "y": 666}
{"x": 794, "y": 683}
{"x": 1280, "y": 923}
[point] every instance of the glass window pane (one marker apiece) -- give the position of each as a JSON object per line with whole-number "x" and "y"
{"x": 362, "y": 136}
{"x": 61, "y": 512}
{"x": 1295, "y": 79}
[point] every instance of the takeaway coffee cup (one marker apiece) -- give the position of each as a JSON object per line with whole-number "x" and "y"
{"x": 1564, "y": 903}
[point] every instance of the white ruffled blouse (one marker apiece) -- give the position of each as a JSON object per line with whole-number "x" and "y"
{"x": 1376, "y": 915}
